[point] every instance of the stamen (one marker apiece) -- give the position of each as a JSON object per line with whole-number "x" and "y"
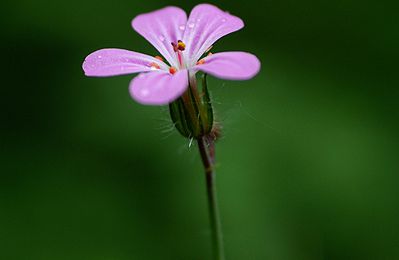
{"x": 180, "y": 58}
{"x": 172, "y": 70}
{"x": 154, "y": 66}
{"x": 200, "y": 62}
{"x": 158, "y": 58}
{"x": 174, "y": 46}
{"x": 209, "y": 48}
{"x": 180, "y": 46}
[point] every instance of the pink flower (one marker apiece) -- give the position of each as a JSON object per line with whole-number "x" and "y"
{"x": 182, "y": 42}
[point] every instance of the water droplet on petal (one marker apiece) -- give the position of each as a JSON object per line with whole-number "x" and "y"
{"x": 199, "y": 19}
{"x": 182, "y": 27}
{"x": 223, "y": 20}
{"x": 161, "y": 38}
{"x": 99, "y": 56}
{"x": 191, "y": 25}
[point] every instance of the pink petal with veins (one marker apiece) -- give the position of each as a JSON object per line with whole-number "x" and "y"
{"x": 233, "y": 65}
{"x": 206, "y": 24}
{"x": 162, "y": 27}
{"x": 158, "y": 87}
{"x": 112, "y": 62}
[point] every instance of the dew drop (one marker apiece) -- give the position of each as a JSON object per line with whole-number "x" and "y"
{"x": 223, "y": 20}
{"x": 182, "y": 27}
{"x": 199, "y": 20}
{"x": 161, "y": 38}
{"x": 191, "y": 25}
{"x": 99, "y": 56}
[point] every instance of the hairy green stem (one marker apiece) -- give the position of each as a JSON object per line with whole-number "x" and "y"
{"x": 206, "y": 147}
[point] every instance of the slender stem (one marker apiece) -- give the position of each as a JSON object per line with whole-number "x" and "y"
{"x": 206, "y": 147}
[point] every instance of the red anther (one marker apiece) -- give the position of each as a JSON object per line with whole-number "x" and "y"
{"x": 172, "y": 70}
{"x": 200, "y": 62}
{"x": 154, "y": 65}
{"x": 158, "y": 58}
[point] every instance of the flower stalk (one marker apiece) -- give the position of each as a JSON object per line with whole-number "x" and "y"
{"x": 206, "y": 148}
{"x": 192, "y": 115}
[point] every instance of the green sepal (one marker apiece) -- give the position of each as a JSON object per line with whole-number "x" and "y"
{"x": 207, "y": 103}
{"x": 192, "y": 113}
{"x": 177, "y": 114}
{"x": 198, "y": 115}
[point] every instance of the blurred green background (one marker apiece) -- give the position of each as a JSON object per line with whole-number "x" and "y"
{"x": 307, "y": 167}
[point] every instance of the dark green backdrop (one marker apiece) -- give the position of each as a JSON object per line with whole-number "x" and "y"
{"x": 307, "y": 167}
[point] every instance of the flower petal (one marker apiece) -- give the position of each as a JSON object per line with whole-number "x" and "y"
{"x": 233, "y": 65}
{"x": 161, "y": 28}
{"x": 158, "y": 88}
{"x": 206, "y": 24}
{"x": 111, "y": 62}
